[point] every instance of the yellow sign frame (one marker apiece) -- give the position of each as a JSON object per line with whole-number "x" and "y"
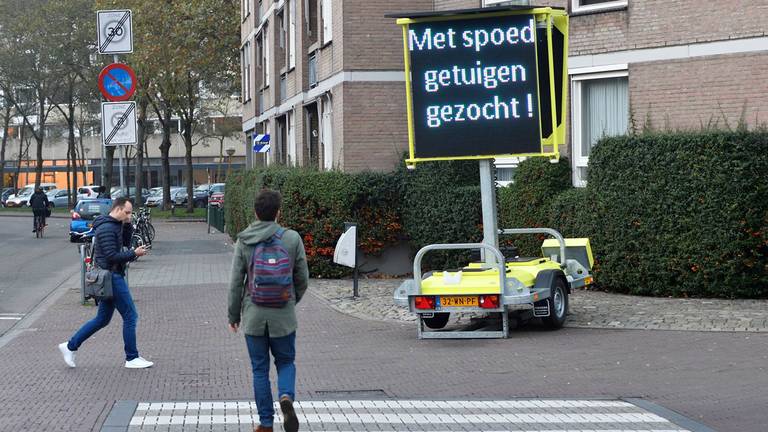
{"x": 550, "y": 145}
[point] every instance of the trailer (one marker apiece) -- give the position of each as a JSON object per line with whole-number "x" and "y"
{"x": 527, "y": 286}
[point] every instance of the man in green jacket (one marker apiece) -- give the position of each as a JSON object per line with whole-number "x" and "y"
{"x": 269, "y": 277}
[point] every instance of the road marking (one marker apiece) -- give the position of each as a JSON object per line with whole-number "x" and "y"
{"x": 11, "y": 316}
{"x": 362, "y": 415}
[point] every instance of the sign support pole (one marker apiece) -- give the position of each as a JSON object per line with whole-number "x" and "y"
{"x": 115, "y": 59}
{"x": 488, "y": 200}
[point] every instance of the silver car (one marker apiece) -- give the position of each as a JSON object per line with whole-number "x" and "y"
{"x": 58, "y": 198}
{"x": 156, "y": 197}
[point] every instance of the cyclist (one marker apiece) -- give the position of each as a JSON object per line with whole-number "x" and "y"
{"x": 39, "y": 203}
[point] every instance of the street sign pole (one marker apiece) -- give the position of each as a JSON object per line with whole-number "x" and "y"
{"x": 116, "y": 59}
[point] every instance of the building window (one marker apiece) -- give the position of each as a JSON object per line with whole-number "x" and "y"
{"x": 310, "y": 19}
{"x": 327, "y": 21}
{"x": 596, "y": 5}
{"x": 267, "y": 59}
{"x": 281, "y": 29}
{"x": 326, "y": 131}
{"x": 246, "y": 78}
{"x": 291, "y": 34}
{"x": 291, "y": 121}
{"x": 600, "y": 108}
{"x": 281, "y": 150}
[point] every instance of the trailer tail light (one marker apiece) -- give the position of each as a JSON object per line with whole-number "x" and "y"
{"x": 424, "y": 302}
{"x": 489, "y": 301}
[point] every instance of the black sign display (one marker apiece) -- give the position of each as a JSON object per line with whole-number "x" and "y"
{"x": 474, "y": 87}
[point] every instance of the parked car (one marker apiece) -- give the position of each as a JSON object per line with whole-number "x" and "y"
{"x": 156, "y": 199}
{"x": 200, "y": 196}
{"x": 58, "y": 198}
{"x": 88, "y": 192}
{"x": 118, "y": 192}
{"x": 84, "y": 213}
{"x": 21, "y": 199}
{"x": 7, "y": 192}
{"x": 216, "y": 198}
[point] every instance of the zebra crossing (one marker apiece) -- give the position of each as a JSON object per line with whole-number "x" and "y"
{"x": 543, "y": 415}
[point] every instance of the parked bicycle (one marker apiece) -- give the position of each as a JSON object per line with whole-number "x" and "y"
{"x": 143, "y": 230}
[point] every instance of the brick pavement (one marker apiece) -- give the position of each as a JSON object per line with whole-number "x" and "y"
{"x": 717, "y": 378}
{"x": 588, "y": 309}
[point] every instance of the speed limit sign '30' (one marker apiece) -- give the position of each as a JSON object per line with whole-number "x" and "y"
{"x": 115, "y": 31}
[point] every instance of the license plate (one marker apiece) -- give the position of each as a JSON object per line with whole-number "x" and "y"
{"x": 459, "y": 301}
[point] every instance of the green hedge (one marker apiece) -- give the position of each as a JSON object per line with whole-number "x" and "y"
{"x": 316, "y": 204}
{"x": 441, "y": 204}
{"x": 572, "y": 214}
{"x": 526, "y": 202}
{"x": 683, "y": 214}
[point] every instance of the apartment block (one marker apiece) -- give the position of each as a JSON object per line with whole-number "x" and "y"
{"x": 325, "y": 77}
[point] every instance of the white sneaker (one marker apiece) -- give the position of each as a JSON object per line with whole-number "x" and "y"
{"x": 138, "y": 363}
{"x": 69, "y": 356}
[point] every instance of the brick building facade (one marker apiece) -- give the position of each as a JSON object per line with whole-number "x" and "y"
{"x": 647, "y": 63}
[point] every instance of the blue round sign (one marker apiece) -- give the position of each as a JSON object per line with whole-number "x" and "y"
{"x": 117, "y": 82}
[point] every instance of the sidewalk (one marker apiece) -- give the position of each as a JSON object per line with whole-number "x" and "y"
{"x": 717, "y": 378}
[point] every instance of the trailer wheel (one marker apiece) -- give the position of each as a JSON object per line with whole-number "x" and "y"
{"x": 558, "y": 305}
{"x": 438, "y": 321}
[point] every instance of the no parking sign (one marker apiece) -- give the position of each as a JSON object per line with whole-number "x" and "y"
{"x": 117, "y": 82}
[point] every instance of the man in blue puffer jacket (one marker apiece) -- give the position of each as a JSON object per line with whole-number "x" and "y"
{"x": 113, "y": 233}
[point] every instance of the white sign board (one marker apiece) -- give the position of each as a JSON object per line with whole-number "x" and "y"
{"x": 115, "y": 31}
{"x": 118, "y": 123}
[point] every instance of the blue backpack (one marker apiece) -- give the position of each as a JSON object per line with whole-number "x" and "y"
{"x": 270, "y": 274}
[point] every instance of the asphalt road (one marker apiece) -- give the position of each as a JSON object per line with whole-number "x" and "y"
{"x": 31, "y": 268}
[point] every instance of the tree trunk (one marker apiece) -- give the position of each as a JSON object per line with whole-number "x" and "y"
{"x": 221, "y": 158}
{"x": 6, "y": 124}
{"x": 190, "y": 171}
{"x": 142, "y": 118}
{"x": 108, "y": 168}
{"x": 71, "y": 157}
{"x": 165, "y": 148}
{"x": 21, "y": 155}
{"x": 39, "y": 138}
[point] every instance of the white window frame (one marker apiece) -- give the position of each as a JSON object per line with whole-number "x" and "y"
{"x": 577, "y": 7}
{"x": 325, "y": 124}
{"x": 577, "y": 78}
{"x": 291, "y": 34}
{"x": 270, "y": 159}
{"x": 290, "y": 123}
{"x": 327, "y": 21}
{"x": 246, "y": 78}
{"x": 267, "y": 52}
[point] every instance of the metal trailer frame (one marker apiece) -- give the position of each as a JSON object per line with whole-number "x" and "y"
{"x": 511, "y": 291}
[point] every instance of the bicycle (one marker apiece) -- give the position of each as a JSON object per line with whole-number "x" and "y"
{"x": 39, "y": 225}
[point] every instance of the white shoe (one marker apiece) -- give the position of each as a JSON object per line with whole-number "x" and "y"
{"x": 69, "y": 356}
{"x": 138, "y": 363}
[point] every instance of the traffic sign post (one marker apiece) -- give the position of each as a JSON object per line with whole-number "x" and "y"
{"x": 115, "y": 31}
{"x": 117, "y": 82}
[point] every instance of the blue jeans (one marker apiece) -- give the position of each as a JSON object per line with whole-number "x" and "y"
{"x": 123, "y": 302}
{"x": 284, "y": 351}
